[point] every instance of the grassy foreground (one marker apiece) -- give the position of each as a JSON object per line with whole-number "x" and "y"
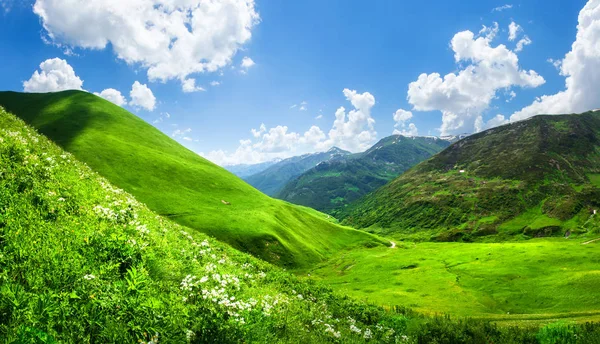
{"x": 541, "y": 279}
{"x": 82, "y": 261}
{"x": 179, "y": 184}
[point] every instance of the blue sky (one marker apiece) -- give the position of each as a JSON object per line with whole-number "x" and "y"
{"x": 309, "y": 59}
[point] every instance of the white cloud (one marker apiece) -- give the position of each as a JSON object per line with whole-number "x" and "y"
{"x": 555, "y": 63}
{"x": 260, "y": 131}
{"x": 523, "y": 42}
{"x": 54, "y": 75}
{"x": 112, "y": 95}
{"x": 189, "y": 86}
{"x": 410, "y": 131}
{"x": 511, "y": 96}
{"x": 215, "y": 83}
{"x": 581, "y": 68}
{"x": 142, "y": 96}
{"x": 480, "y": 125}
{"x": 293, "y": 106}
{"x": 402, "y": 115}
{"x": 171, "y": 38}
{"x": 180, "y": 133}
{"x": 319, "y": 117}
{"x": 247, "y": 62}
{"x": 502, "y": 8}
{"x": 513, "y": 31}
{"x": 483, "y": 70}
{"x": 186, "y": 138}
{"x": 355, "y": 130}
{"x": 352, "y": 131}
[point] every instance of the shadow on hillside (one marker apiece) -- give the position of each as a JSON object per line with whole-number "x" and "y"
{"x": 59, "y": 125}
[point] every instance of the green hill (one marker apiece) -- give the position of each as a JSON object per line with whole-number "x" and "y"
{"x": 273, "y": 179}
{"x": 179, "y": 184}
{"x": 333, "y": 184}
{"x": 82, "y": 261}
{"x": 537, "y": 177}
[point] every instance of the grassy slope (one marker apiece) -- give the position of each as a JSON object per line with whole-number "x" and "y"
{"x": 533, "y": 177}
{"x": 541, "y": 279}
{"x": 84, "y": 262}
{"x": 334, "y": 184}
{"x": 273, "y": 179}
{"x": 178, "y": 183}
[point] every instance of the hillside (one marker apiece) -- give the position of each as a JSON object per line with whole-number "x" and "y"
{"x": 82, "y": 261}
{"x": 179, "y": 184}
{"x": 333, "y": 184}
{"x": 246, "y": 170}
{"x": 273, "y": 179}
{"x": 537, "y": 177}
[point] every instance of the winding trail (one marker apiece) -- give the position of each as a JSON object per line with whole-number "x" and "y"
{"x": 394, "y": 244}
{"x": 590, "y": 241}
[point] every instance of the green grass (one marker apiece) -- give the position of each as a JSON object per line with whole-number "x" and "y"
{"x": 179, "y": 184}
{"x": 542, "y": 279}
{"x": 594, "y": 179}
{"x": 82, "y": 261}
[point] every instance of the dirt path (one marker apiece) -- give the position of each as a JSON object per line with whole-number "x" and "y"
{"x": 590, "y": 241}
{"x": 393, "y": 244}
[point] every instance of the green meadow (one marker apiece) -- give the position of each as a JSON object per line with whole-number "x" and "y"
{"x": 539, "y": 280}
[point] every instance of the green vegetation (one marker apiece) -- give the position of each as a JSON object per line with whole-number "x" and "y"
{"x": 537, "y": 281}
{"x": 177, "y": 183}
{"x": 534, "y": 178}
{"x": 333, "y": 184}
{"x": 82, "y": 261}
{"x": 273, "y": 179}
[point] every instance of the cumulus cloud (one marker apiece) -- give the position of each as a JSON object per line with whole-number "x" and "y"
{"x": 352, "y": 130}
{"x": 215, "y": 83}
{"x": 54, "y": 75}
{"x": 411, "y": 130}
{"x": 189, "y": 86}
{"x": 581, "y": 69}
{"x": 171, "y": 39}
{"x": 141, "y": 96}
{"x": 483, "y": 71}
{"x": 481, "y": 125}
{"x": 112, "y": 95}
{"x": 402, "y": 116}
{"x": 260, "y": 131}
{"x": 247, "y": 62}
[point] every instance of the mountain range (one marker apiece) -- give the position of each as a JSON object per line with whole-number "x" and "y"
{"x": 272, "y": 179}
{"x": 334, "y": 183}
{"x": 537, "y": 177}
